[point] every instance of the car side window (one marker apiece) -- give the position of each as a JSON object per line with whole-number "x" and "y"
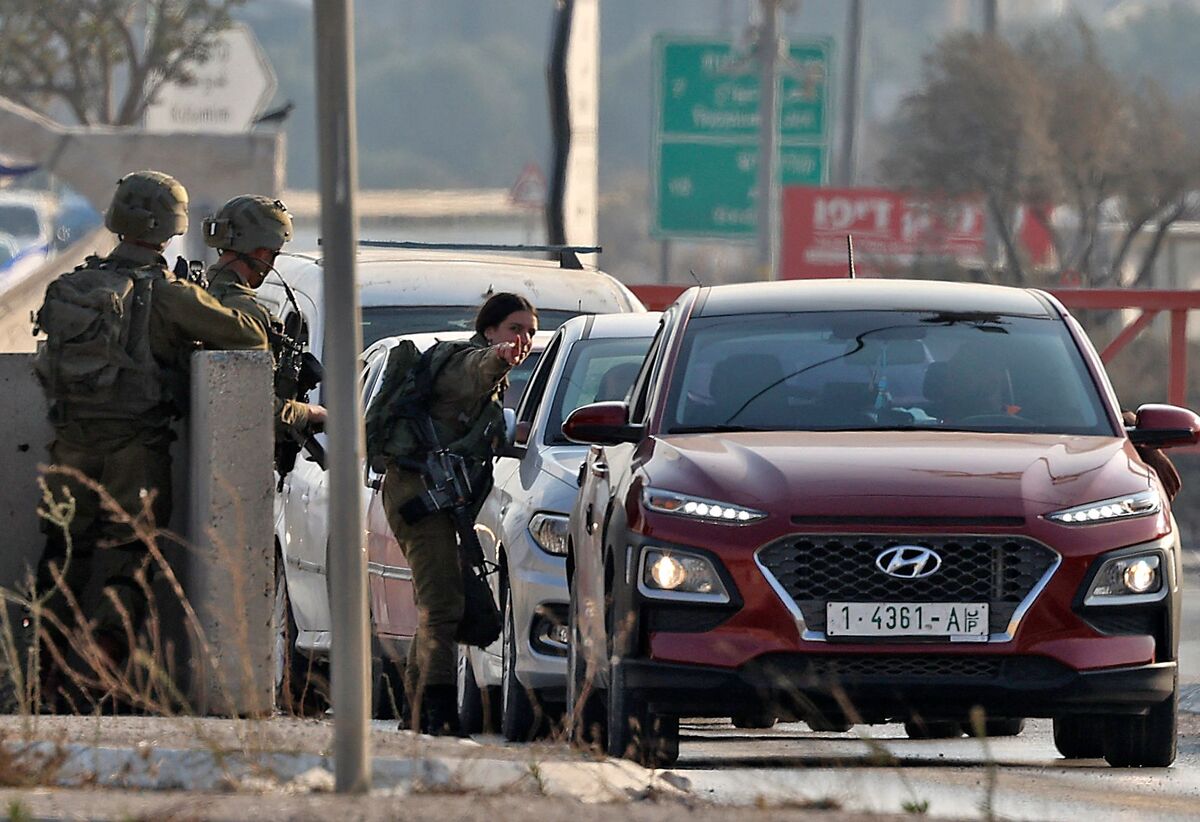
{"x": 639, "y": 396}
{"x": 536, "y": 390}
{"x": 370, "y": 373}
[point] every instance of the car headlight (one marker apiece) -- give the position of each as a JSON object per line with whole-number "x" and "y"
{"x": 670, "y": 502}
{"x": 667, "y": 573}
{"x": 550, "y": 532}
{"x": 1141, "y": 504}
{"x": 1129, "y": 579}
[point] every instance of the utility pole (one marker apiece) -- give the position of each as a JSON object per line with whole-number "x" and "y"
{"x": 850, "y": 99}
{"x": 337, "y": 145}
{"x": 767, "y": 52}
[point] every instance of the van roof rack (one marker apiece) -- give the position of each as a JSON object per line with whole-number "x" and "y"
{"x": 567, "y": 254}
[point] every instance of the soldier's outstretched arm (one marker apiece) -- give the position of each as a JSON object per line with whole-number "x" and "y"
{"x": 197, "y": 315}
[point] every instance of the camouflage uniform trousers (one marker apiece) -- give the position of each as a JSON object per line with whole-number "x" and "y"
{"x": 431, "y": 547}
{"x": 105, "y": 556}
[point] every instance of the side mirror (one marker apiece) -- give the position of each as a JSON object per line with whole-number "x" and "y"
{"x": 516, "y": 436}
{"x": 601, "y": 423}
{"x": 1165, "y": 426}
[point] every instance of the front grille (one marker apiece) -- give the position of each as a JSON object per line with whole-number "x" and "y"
{"x": 892, "y": 668}
{"x": 998, "y": 570}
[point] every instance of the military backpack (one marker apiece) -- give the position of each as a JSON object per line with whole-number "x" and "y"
{"x": 96, "y": 362}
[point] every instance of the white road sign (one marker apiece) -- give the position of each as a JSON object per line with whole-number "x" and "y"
{"x": 229, "y": 92}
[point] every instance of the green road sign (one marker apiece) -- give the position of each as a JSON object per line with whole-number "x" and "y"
{"x": 710, "y": 89}
{"x": 708, "y": 189}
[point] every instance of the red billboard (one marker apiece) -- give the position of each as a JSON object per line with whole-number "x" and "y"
{"x": 892, "y": 231}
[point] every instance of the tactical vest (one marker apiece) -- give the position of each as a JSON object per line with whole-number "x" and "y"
{"x": 96, "y": 362}
{"x": 406, "y": 390}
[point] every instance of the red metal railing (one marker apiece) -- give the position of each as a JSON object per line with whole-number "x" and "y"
{"x": 1149, "y": 302}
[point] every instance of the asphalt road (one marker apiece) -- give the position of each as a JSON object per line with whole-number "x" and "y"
{"x": 877, "y": 769}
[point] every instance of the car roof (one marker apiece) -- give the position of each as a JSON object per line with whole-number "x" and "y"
{"x": 605, "y": 326}
{"x": 869, "y": 295}
{"x": 427, "y": 338}
{"x": 421, "y": 277}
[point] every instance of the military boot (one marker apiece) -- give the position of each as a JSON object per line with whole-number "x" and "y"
{"x": 439, "y": 711}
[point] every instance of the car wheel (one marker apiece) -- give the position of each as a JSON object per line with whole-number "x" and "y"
{"x": 1143, "y": 741}
{"x": 587, "y": 722}
{"x": 1079, "y": 737}
{"x": 300, "y": 687}
{"x": 932, "y": 729}
{"x": 634, "y": 732}
{"x": 754, "y": 720}
{"x": 387, "y": 689}
{"x": 476, "y": 706}
{"x": 996, "y": 727}
{"x": 518, "y": 718}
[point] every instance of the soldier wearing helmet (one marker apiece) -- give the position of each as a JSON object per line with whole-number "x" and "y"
{"x": 111, "y": 407}
{"x": 249, "y": 232}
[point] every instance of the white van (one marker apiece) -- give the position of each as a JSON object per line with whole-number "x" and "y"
{"x": 410, "y": 288}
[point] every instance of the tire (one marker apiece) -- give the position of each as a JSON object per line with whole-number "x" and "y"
{"x": 932, "y": 729}
{"x": 757, "y": 720}
{"x": 829, "y": 724}
{"x": 586, "y": 718}
{"x": 1079, "y": 737}
{"x": 387, "y": 689}
{"x": 300, "y": 686}
{"x": 477, "y": 707}
{"x": 634, "y": 733}
{"x": 995, "y": 728}
{"x": 518, "y": 717}
{"x": 1148, "y": 741}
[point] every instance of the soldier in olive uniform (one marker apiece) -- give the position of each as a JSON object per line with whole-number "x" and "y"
{"x": 249, "y": 232}
{"x": 469, "y": 383}
{"x": 120, "y": 331}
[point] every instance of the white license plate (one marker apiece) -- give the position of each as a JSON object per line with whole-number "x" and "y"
{"x": 965, "y": 622}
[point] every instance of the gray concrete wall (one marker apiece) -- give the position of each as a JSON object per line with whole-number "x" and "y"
{"x": 225, "y": 496}
{"x": 230, "y": 558}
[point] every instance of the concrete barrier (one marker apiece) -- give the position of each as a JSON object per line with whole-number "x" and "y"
{"x": 223, "y": 511}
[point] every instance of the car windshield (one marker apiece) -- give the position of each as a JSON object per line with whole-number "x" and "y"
{"x": 397, "y": 320}
{"x": 596, "y": 370}
{"x": 19, "y": 220}
{"x": 882, "y": 370}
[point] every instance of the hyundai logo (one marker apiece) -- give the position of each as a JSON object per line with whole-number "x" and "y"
{"x": 908, "y": 561}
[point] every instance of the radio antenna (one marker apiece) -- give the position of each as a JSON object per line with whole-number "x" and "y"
{"x": 850, "y": 254}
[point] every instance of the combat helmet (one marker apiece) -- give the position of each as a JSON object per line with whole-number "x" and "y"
{"x": 149, "y": 206}
{"x": 247, "y": 223}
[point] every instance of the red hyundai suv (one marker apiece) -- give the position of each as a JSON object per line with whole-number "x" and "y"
{"x": 867, "y": 501}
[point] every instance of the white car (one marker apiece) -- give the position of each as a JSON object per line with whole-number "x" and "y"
{"x": 402, "y": 291}
{"x": 522, "y": 524}
{"x": 27, "y": 217}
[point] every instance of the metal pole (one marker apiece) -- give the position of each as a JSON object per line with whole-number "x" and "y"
{"x": 768, "y": 139}
{"x": 989, "y": 17}
{"x": 850, "y": 98}
{"x": 347, "y": 560}
{"x": 664, "y": 261}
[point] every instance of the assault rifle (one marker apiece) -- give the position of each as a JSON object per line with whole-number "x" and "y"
{"x": 297, "y": 373}
{"x": 448, "y": 487}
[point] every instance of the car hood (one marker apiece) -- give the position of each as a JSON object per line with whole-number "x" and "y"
{"x": 836, "y": 473}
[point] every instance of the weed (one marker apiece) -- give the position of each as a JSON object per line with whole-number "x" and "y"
{"x": 919, "y": 807}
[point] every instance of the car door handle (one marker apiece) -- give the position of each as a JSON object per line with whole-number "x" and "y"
{"x": 600, "y": 469}
{"x": 589, "y": 524}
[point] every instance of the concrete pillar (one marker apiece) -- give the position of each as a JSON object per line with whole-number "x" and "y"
{"x": 23, "y": 446}
{"x": 230, "y": 560}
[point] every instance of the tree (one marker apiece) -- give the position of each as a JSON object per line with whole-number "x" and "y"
{"x": 977, "y": 126}
{"x": 1049, "y": 124}
{"x": 103, "y": 59}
